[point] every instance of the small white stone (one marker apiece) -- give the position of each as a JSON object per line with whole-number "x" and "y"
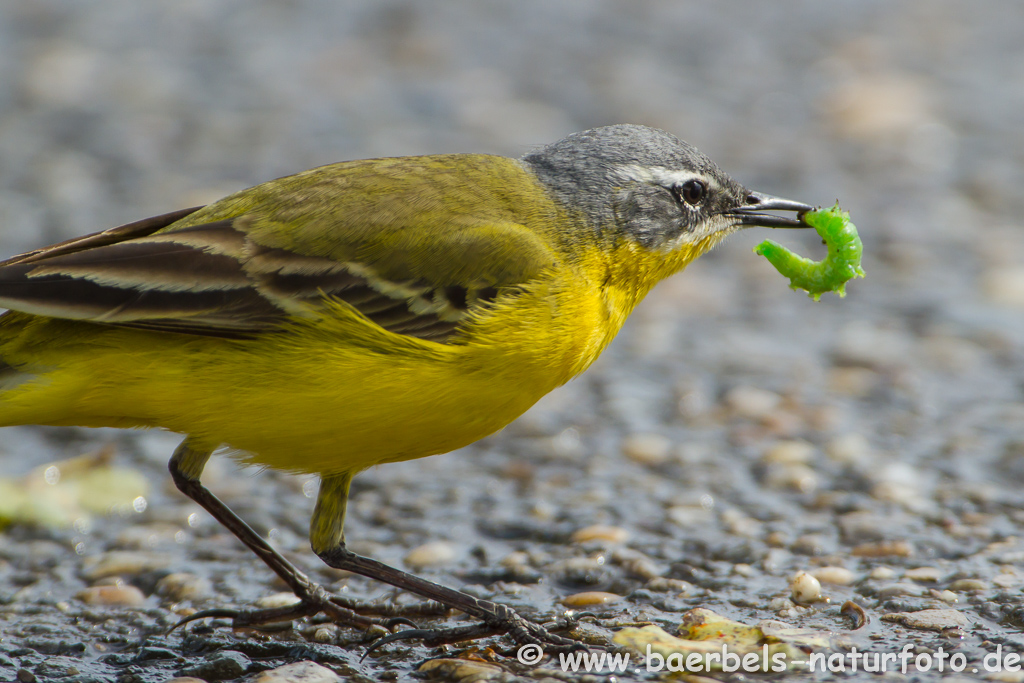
{"x": 805, "y": 588}
{"x": 601, "y": 532}
{"x": 923, "y": 574}
{"x": 883, "y": 573}
{"x": 690, "y": 516}
{"x": 666, "y": 585}
{"x": 433, "y": 554}
{"x": 789, "y": 452}
{"x": 590, "y": 599}
{"x": 967, "y": 585}
{"x": 849, "y": 449}
{"x": 124, "y": 595}
{"x": 752, "y": 402}
{"x": 180, "y": 586}
{"x": 894, "y": 590}
{"x": 794, "y": 477}
{"x": 298, "y": 672}
{"x": 647, "y": 449}
{"x": 515, "y": 559}
{"x": 123, "y": 563}
{"x": 839, "y": 576}
{"x": 283, "y": 599}
{"x": 1005, "y": 286}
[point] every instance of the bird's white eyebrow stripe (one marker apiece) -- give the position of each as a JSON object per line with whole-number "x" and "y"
{"x": 660, "y": 175}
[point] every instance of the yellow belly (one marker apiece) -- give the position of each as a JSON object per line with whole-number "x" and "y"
{"x": 328, "y": 396}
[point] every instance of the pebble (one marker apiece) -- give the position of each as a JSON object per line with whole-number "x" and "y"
{"x": 811, "y": 544}
{"x": 740, "y": 524}
{"x": 780, "y": 604}
{"x": 183, "y": 586}
{"x": 647, "y": 449}
{"x": 848, "y": 449}
{"x": 186, "y": 679}
{"x": 122, "y": 595}
{"x": 752, "y": 402}
{"x": 601, "y": 532}
{"x": 1006, "y": 676}
{"x": 786, "y": 422}
{"x": 1007, "y": 580}
{"x": 590, "y": 599}
{"x": 148, "y": 536}
{"x": 968, "y": 585}
{"x": 931, "y": 619}
{"x": 516, "y": 559}
{"x": 923, "y": 574}
{"x": 275, "y": 600}
{"x": 858, "y": 527}
{"x": 689, "y": 516}
{"x": 944, "y": 596}
{"x": 884, "y": 549}
{"x": 789, "y": 452}
{"x": 638, "y": 565}
{"x": 839, "y": 576}
{"x": 663, "y": 584}
{"x": 1005, "y": 286}
{"x": 123, "y": 563}
{"x": 805, "y": 588}
{"x": 59, "y": 666}
{"x": 743, "y": 569}
{"x": 433, "y": 554}
{"x": 461, "y": 670}
{"x": 894, "y": 590}
{"x": 579, "y": 571}
{"x": 794, "y": 477}
{"x": 220, "y": 666}
{"x": 853, "y": 381}
{"x": 775, "y": 559}
{"x": 883, "y": 573}
{"x": 297, "y": 672}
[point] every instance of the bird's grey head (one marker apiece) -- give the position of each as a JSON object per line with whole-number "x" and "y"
{"x": 648, "y": 185}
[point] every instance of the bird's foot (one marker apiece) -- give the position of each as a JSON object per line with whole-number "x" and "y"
{"x": 525, "y": 634}
{"x": 315, "y": 600}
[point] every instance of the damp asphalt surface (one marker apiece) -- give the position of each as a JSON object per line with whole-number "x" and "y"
{"x": 736, "y": 432}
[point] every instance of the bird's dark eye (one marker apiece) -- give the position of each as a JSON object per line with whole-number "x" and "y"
{"x": 692, "y": 192}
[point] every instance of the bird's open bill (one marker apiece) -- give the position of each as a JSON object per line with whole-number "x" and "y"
{"x": 752, "y": 214}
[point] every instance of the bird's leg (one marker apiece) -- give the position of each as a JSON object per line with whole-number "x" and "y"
{"x": 328, "y": 541}
{"x": 186, "y": 466}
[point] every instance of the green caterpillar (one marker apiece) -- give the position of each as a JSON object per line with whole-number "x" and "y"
{"x": 831, "y": 274}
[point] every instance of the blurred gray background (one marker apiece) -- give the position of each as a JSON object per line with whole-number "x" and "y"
{"x": 734, "y": 422}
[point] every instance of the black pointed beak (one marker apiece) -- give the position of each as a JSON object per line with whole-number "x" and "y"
{"x": 751, "y": 213}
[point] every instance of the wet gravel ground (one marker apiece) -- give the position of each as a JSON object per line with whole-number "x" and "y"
{"x": 734, "y": 434}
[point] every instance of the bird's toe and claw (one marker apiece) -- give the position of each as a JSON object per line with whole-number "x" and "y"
{"x": 521, "y": 631}
{"x": 366, "y": 615}
{"x": 340, "y": 610}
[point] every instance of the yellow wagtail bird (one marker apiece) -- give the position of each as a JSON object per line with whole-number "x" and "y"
{"x": 360, "y": 313}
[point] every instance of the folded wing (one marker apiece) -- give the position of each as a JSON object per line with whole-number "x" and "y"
{"x": 243, "y": 275}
